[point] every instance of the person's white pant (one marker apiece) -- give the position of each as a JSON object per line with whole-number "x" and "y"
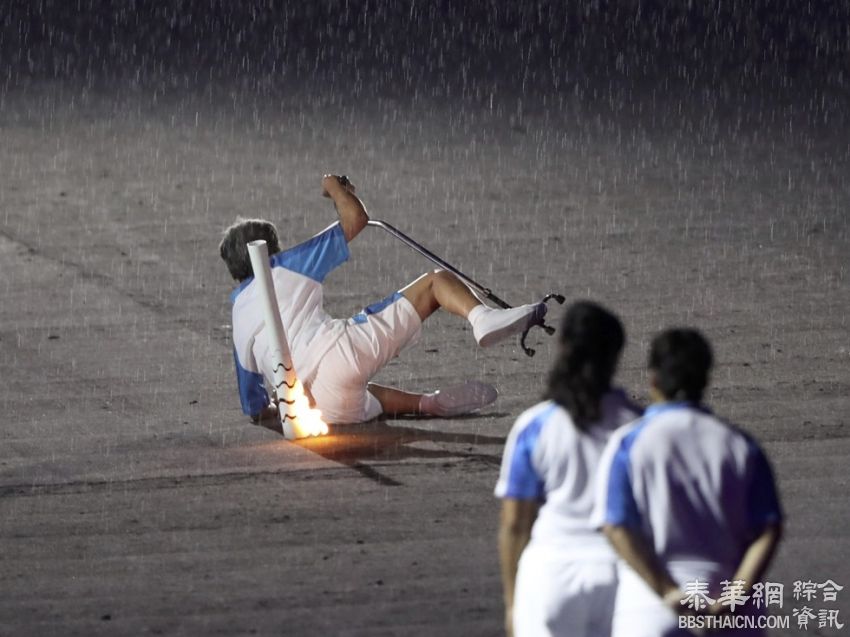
{"x": 369, "y": 341}
{"x": 558, "y": 593}
{"x": 640, "y": 612}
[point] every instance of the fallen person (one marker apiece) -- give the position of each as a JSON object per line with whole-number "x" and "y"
{"x": 335, "y": 359}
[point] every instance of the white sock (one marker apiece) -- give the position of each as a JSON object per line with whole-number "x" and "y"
{"x": 477, "y": 313}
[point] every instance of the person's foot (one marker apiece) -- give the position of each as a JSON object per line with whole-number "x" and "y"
{"x": 458, "y": 399}
{"x": 489, "y": 326}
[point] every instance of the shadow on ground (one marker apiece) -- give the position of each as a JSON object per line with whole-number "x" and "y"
{"x": 356, "y": 446}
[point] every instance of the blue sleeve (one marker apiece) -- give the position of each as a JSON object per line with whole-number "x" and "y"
{"x": 620, "y": 506}
{"x": 316, "y": 257}
{"x": 252, "y": 392}
{"x": 763, "y": 499}
{"x": 523, "y": 481}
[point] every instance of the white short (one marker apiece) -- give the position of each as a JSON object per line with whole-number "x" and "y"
{"x": 562, "y": 594}
{"x": 370, "y": 340}
{"x": 639, "y": 612}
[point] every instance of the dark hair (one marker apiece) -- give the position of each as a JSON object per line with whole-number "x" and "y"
{"x": 234, "y": 245}
{"x": 591, "y": 340}
{"x": 681, "y": 359}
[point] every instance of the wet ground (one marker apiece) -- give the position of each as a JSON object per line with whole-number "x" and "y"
{"x": 136, "y": 499}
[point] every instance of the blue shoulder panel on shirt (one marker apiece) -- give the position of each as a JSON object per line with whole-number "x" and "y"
{"x": 316, "y": 257}
{"x": 244, "y": 284}
{"x": 252, "y": 392}
{"x": 523, "y": 481}
{"x": 620, "y": 507}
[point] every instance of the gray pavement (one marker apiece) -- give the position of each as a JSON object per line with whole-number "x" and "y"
{"x": 136, "y": 499}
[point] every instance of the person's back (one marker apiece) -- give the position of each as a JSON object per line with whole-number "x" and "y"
{"x": 688, "y": 501}
{"x": 564, "y": 459}
{"x": 558, "y": 571}
{"x": 696, "y": 484}
{"x": 298, "y": 274}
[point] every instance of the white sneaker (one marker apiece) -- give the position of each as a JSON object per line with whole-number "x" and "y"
{"x": 489, "y": 326}
{"x": 458, "y": 399}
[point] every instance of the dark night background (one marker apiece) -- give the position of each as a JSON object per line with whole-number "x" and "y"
{"x": 444, "y": 49}
{"x": 683, "y": 162}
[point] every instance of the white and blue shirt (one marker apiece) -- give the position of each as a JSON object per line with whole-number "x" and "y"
{"x": 298, "y": 274}
{"x": 698, "y": 489}
{"x": 548, "y": 459}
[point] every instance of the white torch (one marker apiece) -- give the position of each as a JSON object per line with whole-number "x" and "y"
{"x": 298, "y": 419}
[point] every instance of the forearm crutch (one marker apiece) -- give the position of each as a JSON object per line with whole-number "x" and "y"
{"x": 486, "y": 292}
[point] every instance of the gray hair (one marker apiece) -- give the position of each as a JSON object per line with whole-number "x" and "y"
{"x": 234, "y": 245}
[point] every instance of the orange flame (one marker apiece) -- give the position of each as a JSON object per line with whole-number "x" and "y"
{"x": 305, "y": 420}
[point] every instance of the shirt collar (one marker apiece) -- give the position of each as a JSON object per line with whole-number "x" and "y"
{"x": 657, "y": 408}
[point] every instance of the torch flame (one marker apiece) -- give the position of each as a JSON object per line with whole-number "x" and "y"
{"x": 306, "y": 421}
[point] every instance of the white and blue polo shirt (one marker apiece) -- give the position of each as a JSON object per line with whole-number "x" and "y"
{"x": 698, "y": 489}
{"x": 548, "y": 459}
{"x": 298, "y": 274}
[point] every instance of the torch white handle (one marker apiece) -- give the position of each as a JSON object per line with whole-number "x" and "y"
{"x": 284, "y": 372}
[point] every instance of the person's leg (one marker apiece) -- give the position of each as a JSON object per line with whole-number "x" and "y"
{"x": 458, "y": 399}
{"x": 441, "y": 289}
{"x": 341, "y": 387}
{"x": 395, "y": 401}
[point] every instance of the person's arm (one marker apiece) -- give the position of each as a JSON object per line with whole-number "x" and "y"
{"x": 515, "y": 524}
{"x": 352, "y": 213}
{"x": 268, "y": 418}
{"x": 765, "y": 521}
{"x": 758, "y": 555}
{"x": 634, "y": 549}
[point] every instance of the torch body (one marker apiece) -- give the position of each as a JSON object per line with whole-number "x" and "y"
{"x": 297, "y": 419}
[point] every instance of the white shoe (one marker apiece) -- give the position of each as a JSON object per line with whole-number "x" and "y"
{"x": 458, "y": 399}
{"x": 491, "y": 326}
